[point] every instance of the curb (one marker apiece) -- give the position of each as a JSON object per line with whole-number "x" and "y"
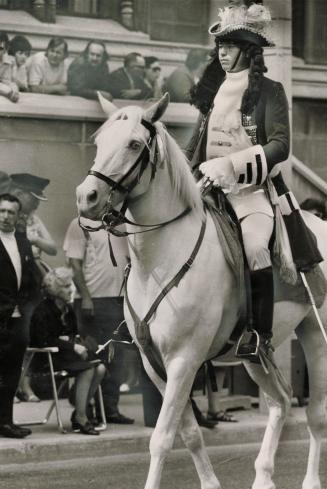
{"x": 128, "y": 440}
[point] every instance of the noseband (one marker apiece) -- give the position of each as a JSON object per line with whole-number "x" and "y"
{"x": 112, "y": 217}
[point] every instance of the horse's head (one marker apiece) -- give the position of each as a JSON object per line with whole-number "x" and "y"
{"x": 122, "y": 168}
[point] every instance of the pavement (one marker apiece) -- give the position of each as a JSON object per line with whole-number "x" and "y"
{"x": 48, "y": 444}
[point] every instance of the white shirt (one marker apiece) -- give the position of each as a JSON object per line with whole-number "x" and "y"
{"x": 10, "y": 244}
{"x": 101, "y": 277}
{"x": 42, "y": 73}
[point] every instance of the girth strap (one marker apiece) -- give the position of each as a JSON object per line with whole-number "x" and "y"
{"x": 142, "y": 329}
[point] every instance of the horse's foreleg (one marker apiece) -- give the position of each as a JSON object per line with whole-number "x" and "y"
{"x": 180, "y": 376}
{"x": 193, "y": 439}
{"x": 315, "y": 351}
{"x": 278, "y": 397}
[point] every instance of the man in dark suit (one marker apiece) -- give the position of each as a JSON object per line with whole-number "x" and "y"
{"x": 16, "y": 285}
{"x": 127, "y": 82}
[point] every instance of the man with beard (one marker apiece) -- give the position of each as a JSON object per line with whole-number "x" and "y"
{"x": 89, "y": 72}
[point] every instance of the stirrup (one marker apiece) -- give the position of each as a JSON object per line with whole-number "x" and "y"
{"x": 250, "y": 337}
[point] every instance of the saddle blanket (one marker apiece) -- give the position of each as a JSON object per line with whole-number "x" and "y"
{"x": 228, "y": 236}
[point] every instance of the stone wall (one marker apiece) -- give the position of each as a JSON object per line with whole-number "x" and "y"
{"x": 309, "y": 134}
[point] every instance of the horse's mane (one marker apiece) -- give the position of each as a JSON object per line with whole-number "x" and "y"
{"x": 183, "y": 182}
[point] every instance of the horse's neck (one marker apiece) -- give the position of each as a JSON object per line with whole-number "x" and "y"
{"x": 164, "y": 249}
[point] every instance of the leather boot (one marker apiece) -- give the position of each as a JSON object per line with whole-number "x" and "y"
{"x": 262, "y": 312}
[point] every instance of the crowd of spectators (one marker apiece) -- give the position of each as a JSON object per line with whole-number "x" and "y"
{"x": 76, "y": 308}
{"x": 54, "y": 72}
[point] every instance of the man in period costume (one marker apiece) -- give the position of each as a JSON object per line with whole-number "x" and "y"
{"x": 242, "y": 137}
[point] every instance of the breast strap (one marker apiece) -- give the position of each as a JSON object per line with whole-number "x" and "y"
{"x": 142, "y": 328}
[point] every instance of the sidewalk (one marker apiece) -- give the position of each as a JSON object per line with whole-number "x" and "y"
{"x": 48, "y": 444}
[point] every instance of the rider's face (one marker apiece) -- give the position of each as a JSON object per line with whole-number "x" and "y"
{"x": 231, "y": 57}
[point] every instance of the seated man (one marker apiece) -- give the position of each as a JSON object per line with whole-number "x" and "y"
{"x": 127, "y": 82}
{"x": 89, "y": 72}
{"x": 8, "y": 87}
{"x": 48, "y": 71}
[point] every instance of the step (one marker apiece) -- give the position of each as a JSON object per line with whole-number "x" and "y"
{"x": 47, "y": 444}
{"x": 78, "y": 31}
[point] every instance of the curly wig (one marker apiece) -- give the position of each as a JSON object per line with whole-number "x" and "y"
{"x": 204, "y": 92}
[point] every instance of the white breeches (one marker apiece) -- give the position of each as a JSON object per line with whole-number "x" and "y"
{"x": 256, "y": 216}
{"x": 257, "y": 230}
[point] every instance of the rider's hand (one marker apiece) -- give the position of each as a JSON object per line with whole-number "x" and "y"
{"x": 219, "y": 170}
{"x": 81, "y": 351}
{"x": 87, "y": 307}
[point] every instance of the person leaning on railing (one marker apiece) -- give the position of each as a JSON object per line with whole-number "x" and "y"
{"x": 8, "y": 88}
{"x": 47, "y": 71}
{"x": 89, "y": 72}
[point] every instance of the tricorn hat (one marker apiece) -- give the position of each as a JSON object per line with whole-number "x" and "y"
{"x": 244, "y": 24}
{"x": 30, "y": 183}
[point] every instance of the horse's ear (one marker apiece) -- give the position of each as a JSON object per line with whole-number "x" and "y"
{"x": 107, "y": 107}
{"x": 157, "y": 110}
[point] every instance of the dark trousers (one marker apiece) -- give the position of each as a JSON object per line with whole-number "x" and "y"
{"x": 108, "y": 314}
{"x": 11, "y": 360}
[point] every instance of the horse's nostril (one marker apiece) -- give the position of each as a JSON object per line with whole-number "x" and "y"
{"x": 92, "y": 197}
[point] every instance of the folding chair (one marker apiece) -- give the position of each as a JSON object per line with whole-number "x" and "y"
{"x": 64, "y": 376}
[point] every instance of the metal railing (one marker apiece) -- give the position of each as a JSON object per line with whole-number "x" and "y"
{"x": 316, "y": 182}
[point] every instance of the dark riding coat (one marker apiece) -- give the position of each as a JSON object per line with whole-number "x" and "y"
{"x": 273, "y": 133}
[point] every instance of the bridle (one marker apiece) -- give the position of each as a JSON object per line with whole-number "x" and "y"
{"x": 111, "y": 217}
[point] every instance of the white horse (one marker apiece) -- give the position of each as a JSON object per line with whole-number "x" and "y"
{"x": 195, "y": 319}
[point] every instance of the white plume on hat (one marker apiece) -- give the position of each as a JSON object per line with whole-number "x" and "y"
{"x": 255, "y": 19}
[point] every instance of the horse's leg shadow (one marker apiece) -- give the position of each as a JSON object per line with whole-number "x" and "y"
{"x": 315, "y": 350}
{"x": 278, "y": 396}
{"x": 180, "y": 377}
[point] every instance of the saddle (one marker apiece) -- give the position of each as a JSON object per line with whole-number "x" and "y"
{"x": 230, "y": 237}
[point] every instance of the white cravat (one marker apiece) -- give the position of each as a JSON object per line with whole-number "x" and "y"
{"x": 226, "y": 117}
{"x": 10, "y": 244}
{"x": 228, "y": 100}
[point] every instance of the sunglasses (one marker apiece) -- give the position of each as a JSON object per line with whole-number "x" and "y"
{"x": 156, "y": 69}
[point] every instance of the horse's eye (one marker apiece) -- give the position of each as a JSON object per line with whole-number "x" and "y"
{"x": 135, "y": 145}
